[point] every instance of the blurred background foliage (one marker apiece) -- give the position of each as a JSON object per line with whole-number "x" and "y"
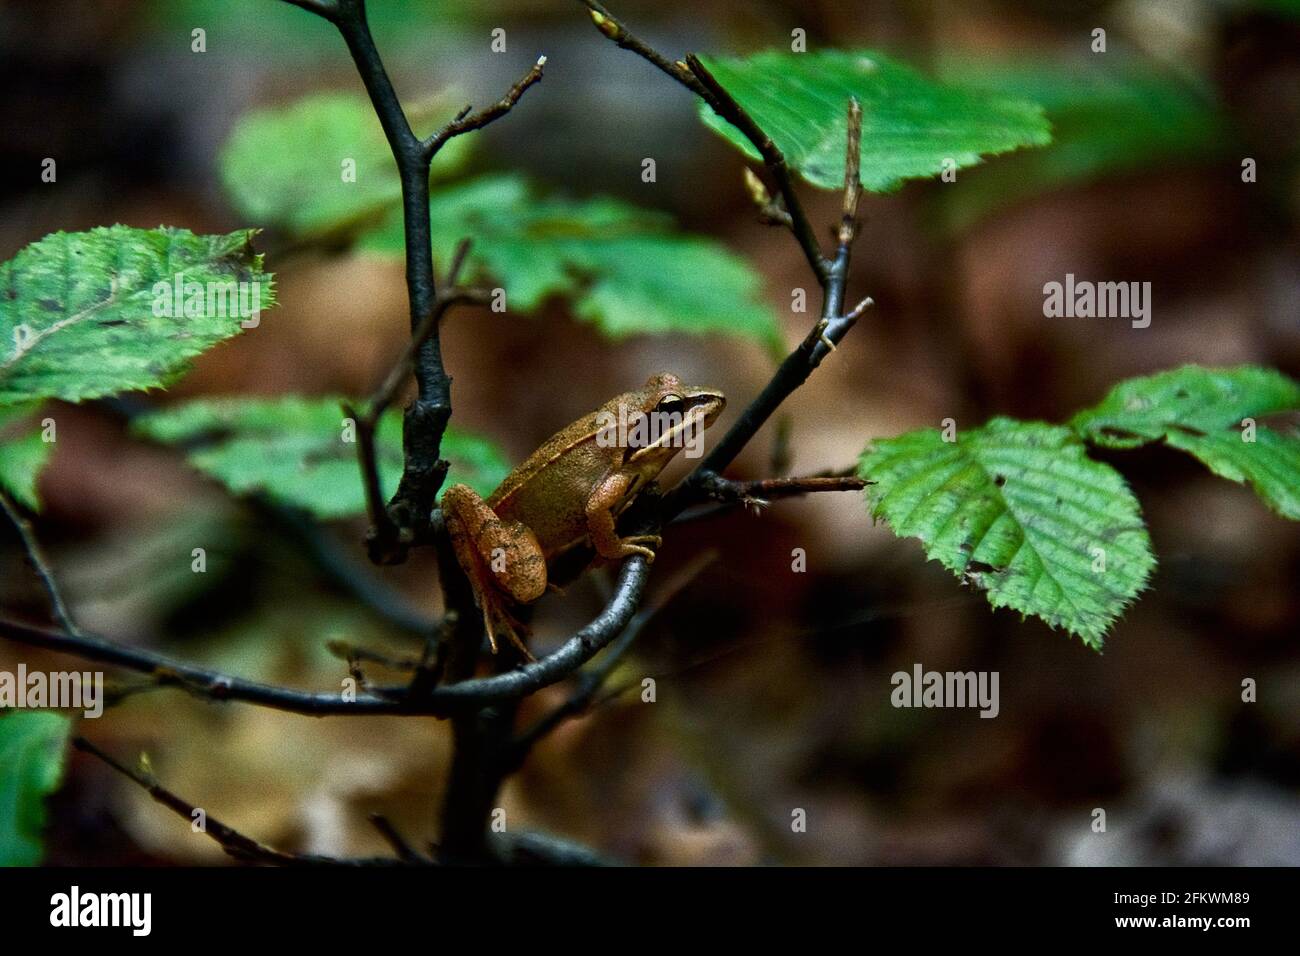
{"x": 773, "y": 687}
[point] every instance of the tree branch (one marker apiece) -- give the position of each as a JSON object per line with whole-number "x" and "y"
{"x": 387, "y": 542}
{"x": 405, "y": 519}
{"x": 426, "y": 418}
{"x": 800, "y": 363}
{"x": 442, "y": 701}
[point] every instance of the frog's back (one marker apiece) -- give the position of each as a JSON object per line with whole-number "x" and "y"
{"x": 549, "y": 490}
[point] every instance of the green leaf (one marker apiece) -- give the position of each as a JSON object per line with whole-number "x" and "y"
{"x": 285, "y": 166}
{"x": 293, "y": 449}
{"x": 32, "y": 745}
{"x": 625, "y": 269}
{"x": 1110, "y": 115}
{"x": 23, "y": 453}
{"x": 1019, "y": 510}
{"x": 1204, "y": 412}
{"x": 82, "y": 318}
{"x": 277, "y": 36}
{"x": 910, "y": 123}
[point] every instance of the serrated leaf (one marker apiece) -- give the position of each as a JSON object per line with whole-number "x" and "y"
{"x": 911, "y": 125}
{"x": 1019, "y": 510}
{"x": 23, "y": 453}
{"x": 1204, "y": 412}
{"x": 285, "y": 166}
{"x": 626, "y": 270}
{"x": 293, "y": 449}
{"x": 1109, "y": 115}
{"x": 81, "y": 318}
{"x": 32, "y": 746}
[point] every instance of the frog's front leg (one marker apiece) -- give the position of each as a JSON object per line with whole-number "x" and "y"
{"x": 502, "y": 559}
{"x": 604, "y": 498}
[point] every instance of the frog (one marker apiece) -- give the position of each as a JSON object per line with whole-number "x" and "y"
{"x": 570, "y": 492}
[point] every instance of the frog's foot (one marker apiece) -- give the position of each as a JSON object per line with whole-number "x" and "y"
{"x": 498, "y": 620}
{"x": 642, "y": 544}
{"x": 601, "y": 523}
{"x": 502, "y": 560}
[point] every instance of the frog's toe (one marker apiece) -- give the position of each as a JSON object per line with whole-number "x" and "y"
{"x": 627, "y": 549}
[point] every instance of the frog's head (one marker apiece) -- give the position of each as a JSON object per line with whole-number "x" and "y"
{"x": 668, "y": 416}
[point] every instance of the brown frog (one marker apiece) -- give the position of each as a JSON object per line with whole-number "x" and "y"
{"x": 571, "y": 491}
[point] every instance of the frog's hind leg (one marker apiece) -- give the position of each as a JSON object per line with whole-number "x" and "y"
{"x": 502, "y": 559}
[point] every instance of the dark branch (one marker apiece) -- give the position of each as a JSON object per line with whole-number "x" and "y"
{"x": 800, "y": 363}
{"x": 427, "y": 416}
{"x": 388, "y": 541}
{"x": 438, "y": 702}
{"x": 406, "y": 517}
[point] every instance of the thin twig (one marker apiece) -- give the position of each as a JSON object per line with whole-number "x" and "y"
{"x": 725, "y": 105}
{"x": 405, "y": 852}
{"x": 37, "y": 558}
{"x": 613, "y": 28}
{"x": 766, "y": 489}
{"x": 467, "y": 122}
{"x": 714, "y": 495}
{"x": 852, "y": 174}
{"x": 431, "y": 666}
{"x": 695, "y": 77}
{"x": 232, "y": 841}
{"x": 832, "y": 275}
{"x": 351, "y": 653}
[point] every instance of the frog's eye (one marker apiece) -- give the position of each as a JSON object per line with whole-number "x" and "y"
{"x": 671, "y": 403}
